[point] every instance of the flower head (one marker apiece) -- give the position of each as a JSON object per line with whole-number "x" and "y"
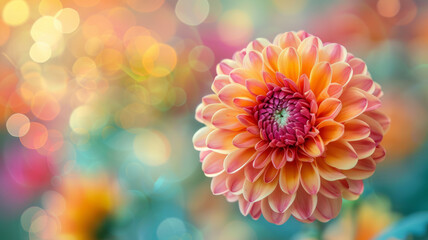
{"x": 291, "y": 128}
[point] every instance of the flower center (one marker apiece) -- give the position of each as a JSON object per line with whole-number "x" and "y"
{"x": 283, "y": 117}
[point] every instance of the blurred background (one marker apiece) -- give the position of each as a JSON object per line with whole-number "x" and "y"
{"x": 97, "y": 101}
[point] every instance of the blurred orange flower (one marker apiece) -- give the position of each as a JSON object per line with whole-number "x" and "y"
{"x": 372, "y": 217}
{"x": 292, "y": 127}
{"x": 400, "y": 108}
{"x": 81, "y": 209}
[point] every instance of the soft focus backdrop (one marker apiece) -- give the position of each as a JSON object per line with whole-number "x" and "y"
{"x": 97, "y": 102}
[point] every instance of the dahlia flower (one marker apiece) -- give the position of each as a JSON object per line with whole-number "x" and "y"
{"x": 292, "y": 127}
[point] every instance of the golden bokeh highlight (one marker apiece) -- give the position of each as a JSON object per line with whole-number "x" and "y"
{"x": 45, "y": 30}
{"x": 68, "y": 20}
{"x": 201, "y": 58}
{"x": 16, "y": 12}
{"x": 40, "y": 52}
{"x": 135, "y": 49}
{"x": 18, "y": 125}
{"x": 93, "y": 46}
{"x": 45, "y": 106}
{"x": 36, "y": 136}
{"x": 110, "y": 60}
{"x": 159, "y": 60}
{"x": 134, "y": 32}
{"x": 87, "y": 118}
{"x": 192, "y": 12}
{"x": 152, "y": 147}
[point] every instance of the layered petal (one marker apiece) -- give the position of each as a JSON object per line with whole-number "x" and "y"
{"x": 237, "y": 159}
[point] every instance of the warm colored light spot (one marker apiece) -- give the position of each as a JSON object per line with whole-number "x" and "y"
{"x": 135, "y": 50}
{"x": 16, "y": 12}
{"x": 40, "y": 52}
{"x": 159, "y": 60}
{"x": 145, "y": 6}
{"x": 133, "y": 33}
{"x": 192, "y": 12}
{"x": 49, "y": 7}
{"x": 110, "y": 60}
{"x": 235, "y": 27}
{"x": 68, "y": 20}
{"x": 36, "y": 136}
{"x": 93, "y": 46}
{"x": 45, "y": 106}
{"x": 45, "y": 30}
{"x": 86, "y": 72}
{"x": 54, "y": 143}
{"x": 152, "y": 147}
{"x": 18, "y": 125}
{"x": 388, "y": 8}
{"x": 17, "y": 103}
{"x": 201, "y": 58}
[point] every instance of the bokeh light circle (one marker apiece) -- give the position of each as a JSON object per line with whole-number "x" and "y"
{"x": 27, "y": 217}
{"x": 235, "y": 27}
{"x": 40, "y": 52}
{"x": 16, "y": 12}
{"x": 45, "y": 30}
{"x": 152, "y": 147}
{"x": 388, "y": 8}
{"x": 68, "y": 20}
{"x": 159, "y": 60}
{"x": 87, "y": 118}
{"x": 192, "y": 12}
{"x": 36, "y": 136}
{"x": 171, "y": 228}
{"x": 45, "y": 106}
{"x": 18, "y": 125}
{"x": 54, "y": 143}
{"x": 201, "y": 58}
